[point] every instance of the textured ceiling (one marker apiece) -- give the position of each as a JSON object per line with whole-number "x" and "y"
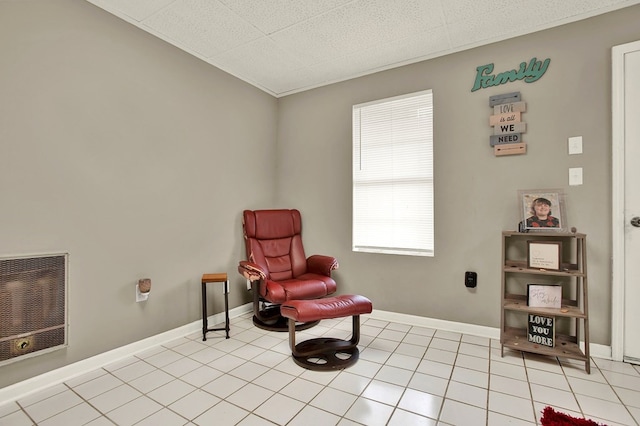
{"x": 287, "y": 46}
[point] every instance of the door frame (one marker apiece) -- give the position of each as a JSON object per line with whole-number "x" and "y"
{"x": 618, "y": 200}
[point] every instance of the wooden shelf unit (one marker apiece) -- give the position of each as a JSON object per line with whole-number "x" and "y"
{"x": 573, "y": 315}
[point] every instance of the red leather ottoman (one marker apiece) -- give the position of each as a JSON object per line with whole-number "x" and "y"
{"x": 325, "y": 353}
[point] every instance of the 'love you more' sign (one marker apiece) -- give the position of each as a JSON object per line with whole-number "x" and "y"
{"x": 541, "y": 330}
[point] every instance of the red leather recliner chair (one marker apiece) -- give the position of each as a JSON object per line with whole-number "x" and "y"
{"x": 277, "y": 266}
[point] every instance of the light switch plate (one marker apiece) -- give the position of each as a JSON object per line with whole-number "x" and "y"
{"x": 575, "y": 176}
{"x": 575, "y": 145}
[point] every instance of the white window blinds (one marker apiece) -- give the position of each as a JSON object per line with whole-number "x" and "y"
{"x": 393, "y": 175}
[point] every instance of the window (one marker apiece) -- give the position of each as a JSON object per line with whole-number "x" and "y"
{"x": 393, "y": 175}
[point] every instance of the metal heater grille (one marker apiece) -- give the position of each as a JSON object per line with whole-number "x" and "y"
{"x": 32, "y": 306}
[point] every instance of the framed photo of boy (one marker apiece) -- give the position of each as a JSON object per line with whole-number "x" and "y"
{"x": 542, "y": 210}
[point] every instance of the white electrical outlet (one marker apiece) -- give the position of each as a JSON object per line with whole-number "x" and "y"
{"x": 575, "y": 176}
{"x": 575, "y": 145}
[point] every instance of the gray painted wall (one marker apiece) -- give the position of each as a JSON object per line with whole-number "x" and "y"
{"x": 475, "y": 192}
{"x": 132, "y": 156}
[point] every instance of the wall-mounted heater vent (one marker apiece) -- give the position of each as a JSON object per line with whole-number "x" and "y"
{"x": 33, "y": 297}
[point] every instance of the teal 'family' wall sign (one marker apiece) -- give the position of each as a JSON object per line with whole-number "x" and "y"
{"x": 528, "y": 72}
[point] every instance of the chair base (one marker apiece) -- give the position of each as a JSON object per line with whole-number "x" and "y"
{"x": 269, "y": 318}
{"x": 326, "y": 354}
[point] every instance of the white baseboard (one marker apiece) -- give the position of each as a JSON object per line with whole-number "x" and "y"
{"x": 21, "y": 389}
{"x": 598, "y": 351}
{"x": 459, "y": 327}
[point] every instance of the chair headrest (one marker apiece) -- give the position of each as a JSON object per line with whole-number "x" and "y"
{"x": 272, "y": 224}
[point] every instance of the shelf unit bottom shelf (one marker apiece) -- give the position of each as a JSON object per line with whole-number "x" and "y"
{"x": 566, "y": 346}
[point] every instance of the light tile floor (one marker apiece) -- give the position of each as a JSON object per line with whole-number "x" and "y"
{"x": 405, "y": 376}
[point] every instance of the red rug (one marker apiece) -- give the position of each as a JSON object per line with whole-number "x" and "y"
{"x": 550, "y": 417}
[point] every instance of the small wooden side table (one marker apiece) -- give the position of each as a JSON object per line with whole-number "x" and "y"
{"x": 215, "y": 278}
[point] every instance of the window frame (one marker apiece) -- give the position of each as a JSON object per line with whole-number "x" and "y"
{"x": 400, "y": 169}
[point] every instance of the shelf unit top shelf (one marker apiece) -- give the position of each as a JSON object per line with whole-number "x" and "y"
{"x": 545, "y": 234}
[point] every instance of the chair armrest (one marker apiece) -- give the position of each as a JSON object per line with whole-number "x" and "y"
{"x": 251, "y": 271}
{"x": 322, "y": 265}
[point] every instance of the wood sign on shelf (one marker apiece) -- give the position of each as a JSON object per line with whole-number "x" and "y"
{"x": 544, "y": 296}
{"x": 541, "y": 330}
